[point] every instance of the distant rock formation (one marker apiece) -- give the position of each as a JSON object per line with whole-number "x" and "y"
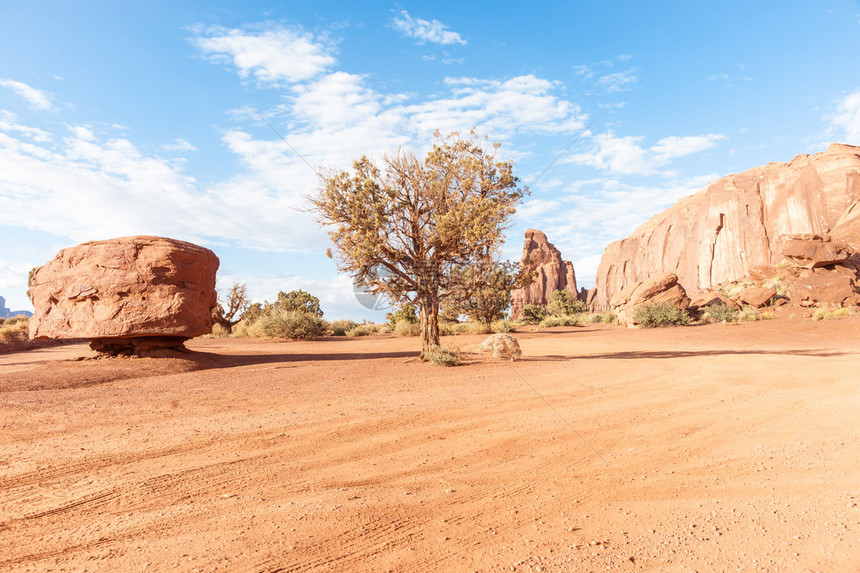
{"x": 551, "y": 273}
{"x": 129, "y": 295}
{"x": 742, "y": 221}
{"x": 658, "y": 288}
{"x": 6, "y": 313}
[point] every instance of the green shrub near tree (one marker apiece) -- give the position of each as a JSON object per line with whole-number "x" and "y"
{"x": 658, "y": 314}
{"x": 533, "y": 314}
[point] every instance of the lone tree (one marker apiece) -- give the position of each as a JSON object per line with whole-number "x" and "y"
{"x": 399, "y": 230}
{"x": 238, "y": 304}
{"x": 483, "y": 291}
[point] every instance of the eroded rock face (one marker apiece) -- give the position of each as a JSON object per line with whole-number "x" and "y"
{"x": 659, "y": 287}
{"x": 739, "y": 222}
{"x": 551, "y": 273}
{"x": 813, "y": 251}
{"x": 126, "y": 288}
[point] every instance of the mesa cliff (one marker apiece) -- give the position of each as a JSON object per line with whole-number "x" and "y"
{"x": 739, "y": 222}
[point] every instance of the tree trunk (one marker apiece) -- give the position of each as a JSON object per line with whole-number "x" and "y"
{"x": 429, "y": 309}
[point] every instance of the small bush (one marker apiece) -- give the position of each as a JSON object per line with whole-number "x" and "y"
{"x": 444, "y": 356}
{"x": 406, "y": 328}
{"x": 449, "y": 328}
{"x": 362, "y": 330}
{"x": 503, "y": 326}
{"x": 719, "y": 312}
{"x": 218, "y": 331}
{"x": 564, "y": 303}
{"x": 768, "y": 315}
{"x": 292, "y": 324}
{"x": 568, "y": 320}
{"x": 824, "y": 314}
{"x": 748, "y": 314}
{"x": 533, "y": 314}
{"x": 341, "y": 327}
{"x": 658, "y": 314}
{"x": 597, "y": 317}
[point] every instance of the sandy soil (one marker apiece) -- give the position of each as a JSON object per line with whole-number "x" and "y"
{"x": 713, "y": 448}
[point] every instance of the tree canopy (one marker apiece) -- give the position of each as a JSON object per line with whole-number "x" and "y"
{"x": 401, "y": 228}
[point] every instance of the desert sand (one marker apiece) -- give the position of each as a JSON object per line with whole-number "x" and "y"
{"x": 706, "y": 448}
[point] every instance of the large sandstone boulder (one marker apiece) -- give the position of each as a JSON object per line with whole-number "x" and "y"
{"x": 129, "y": 293}
{"x": 660, "y": 287}
{"x": 551, "y": 273}
{"x": 739, "y": 222}
{"x": 813, "y": 251}
{"x": 832, "y": 287}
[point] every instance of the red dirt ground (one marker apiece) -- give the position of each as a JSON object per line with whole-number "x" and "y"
{"x": 710, "y": 448}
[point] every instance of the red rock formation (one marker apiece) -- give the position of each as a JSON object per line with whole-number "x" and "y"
{"x": 121, "y": 289}
{"x": 660, "y": 287}
{"x": 738, "y": 222}
{"x": 551, "y": 273}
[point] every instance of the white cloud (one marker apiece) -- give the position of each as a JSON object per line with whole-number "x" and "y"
{"x": 37, "y": 99}
{"x": 846, "y": 120}
{"x": 626, "y": 156}
{"x": 9, "y": 123}
{"x": 432, "y": 31}
{"x": 271, "y": 56}
{"x": 618, "y": 82}
{"x": 179, "y": 144}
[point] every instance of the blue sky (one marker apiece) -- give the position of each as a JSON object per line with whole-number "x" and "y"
{"x": 121, "y": 118}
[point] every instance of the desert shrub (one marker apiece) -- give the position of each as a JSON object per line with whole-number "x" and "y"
{"x": 218, "y": 331}
{"x": 719, "y": 312}
{"x": 341, "y": 327}
{"x": 779, "y": 285}
{"x": 598, "y": 317}
{"x": 567, "y": 320}
{"x": 768, "y": 315}
{"x": 363, "y": 330}
{"x": 405, "y": 314}
{"x": 406, "y": 328}
{"x": 748, "y": 314}
{"x": 15, "y": 320}
{"x": 449, "y": 328}
{"x": 825, "y": 314}
{"x": 503, "y": 326}
{"x": 293, "y": 324}
{"x": 297, "y": 301}
{"x": 444, "y": 356}
{"x": 564, "y": 303}
{"x": 533, "y": 314}
{"x": 14, "y": 329}
{"x": 658, "y": 314}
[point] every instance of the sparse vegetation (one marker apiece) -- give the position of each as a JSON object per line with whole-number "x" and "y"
{"x": 291, "y": 324}
{"x": 444, "y": 356}
{"x": 14, "y": 329}
{"x": 238, "y": 303}
{"x": 597, "y": 317}
{"x": 719, "y": 312}
{"x": 406, "y": 328}
{"x": 565, "y": 320}
{"x": 564, "y": 303}
{"x": 660, "y": 314}
{"x": 363, "y": 330}
{"x": 503, "y": 326}
{"x": 828, "y": 314}
{"x": 532, "y": 314}
{"x": 748, "y": 314}
{"x": 341, "y": 327}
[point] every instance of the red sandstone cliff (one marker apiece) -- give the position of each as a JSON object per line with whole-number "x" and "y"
{"x": 739, "y": 222}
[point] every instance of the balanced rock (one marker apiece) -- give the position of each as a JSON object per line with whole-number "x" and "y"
{"x": 739, "y": 222}
{"x": 127, "y": 294}
{"x": 658, "y": 288}
{"x": 551, "y": 273}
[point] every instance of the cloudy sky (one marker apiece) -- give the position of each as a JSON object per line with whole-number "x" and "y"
{"x": 165, "y": 118}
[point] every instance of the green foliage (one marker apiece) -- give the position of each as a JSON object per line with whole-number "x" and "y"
{"x": 483, "y": 291}
{"x": 719, "y": 312}
{"x": 298, "y": 300}
{"x": 444, "y": 356}
{"x": 533, "y": 314}
{"x": 292, "y": 324}
{"x": 341, "y": 327}
{"x": 597, "y": 317}
{"x": 406, "y": 314}
{"x": 564, "y": 303}
{"x": 659, "y": 314}
{"x": 566, "y": 320}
